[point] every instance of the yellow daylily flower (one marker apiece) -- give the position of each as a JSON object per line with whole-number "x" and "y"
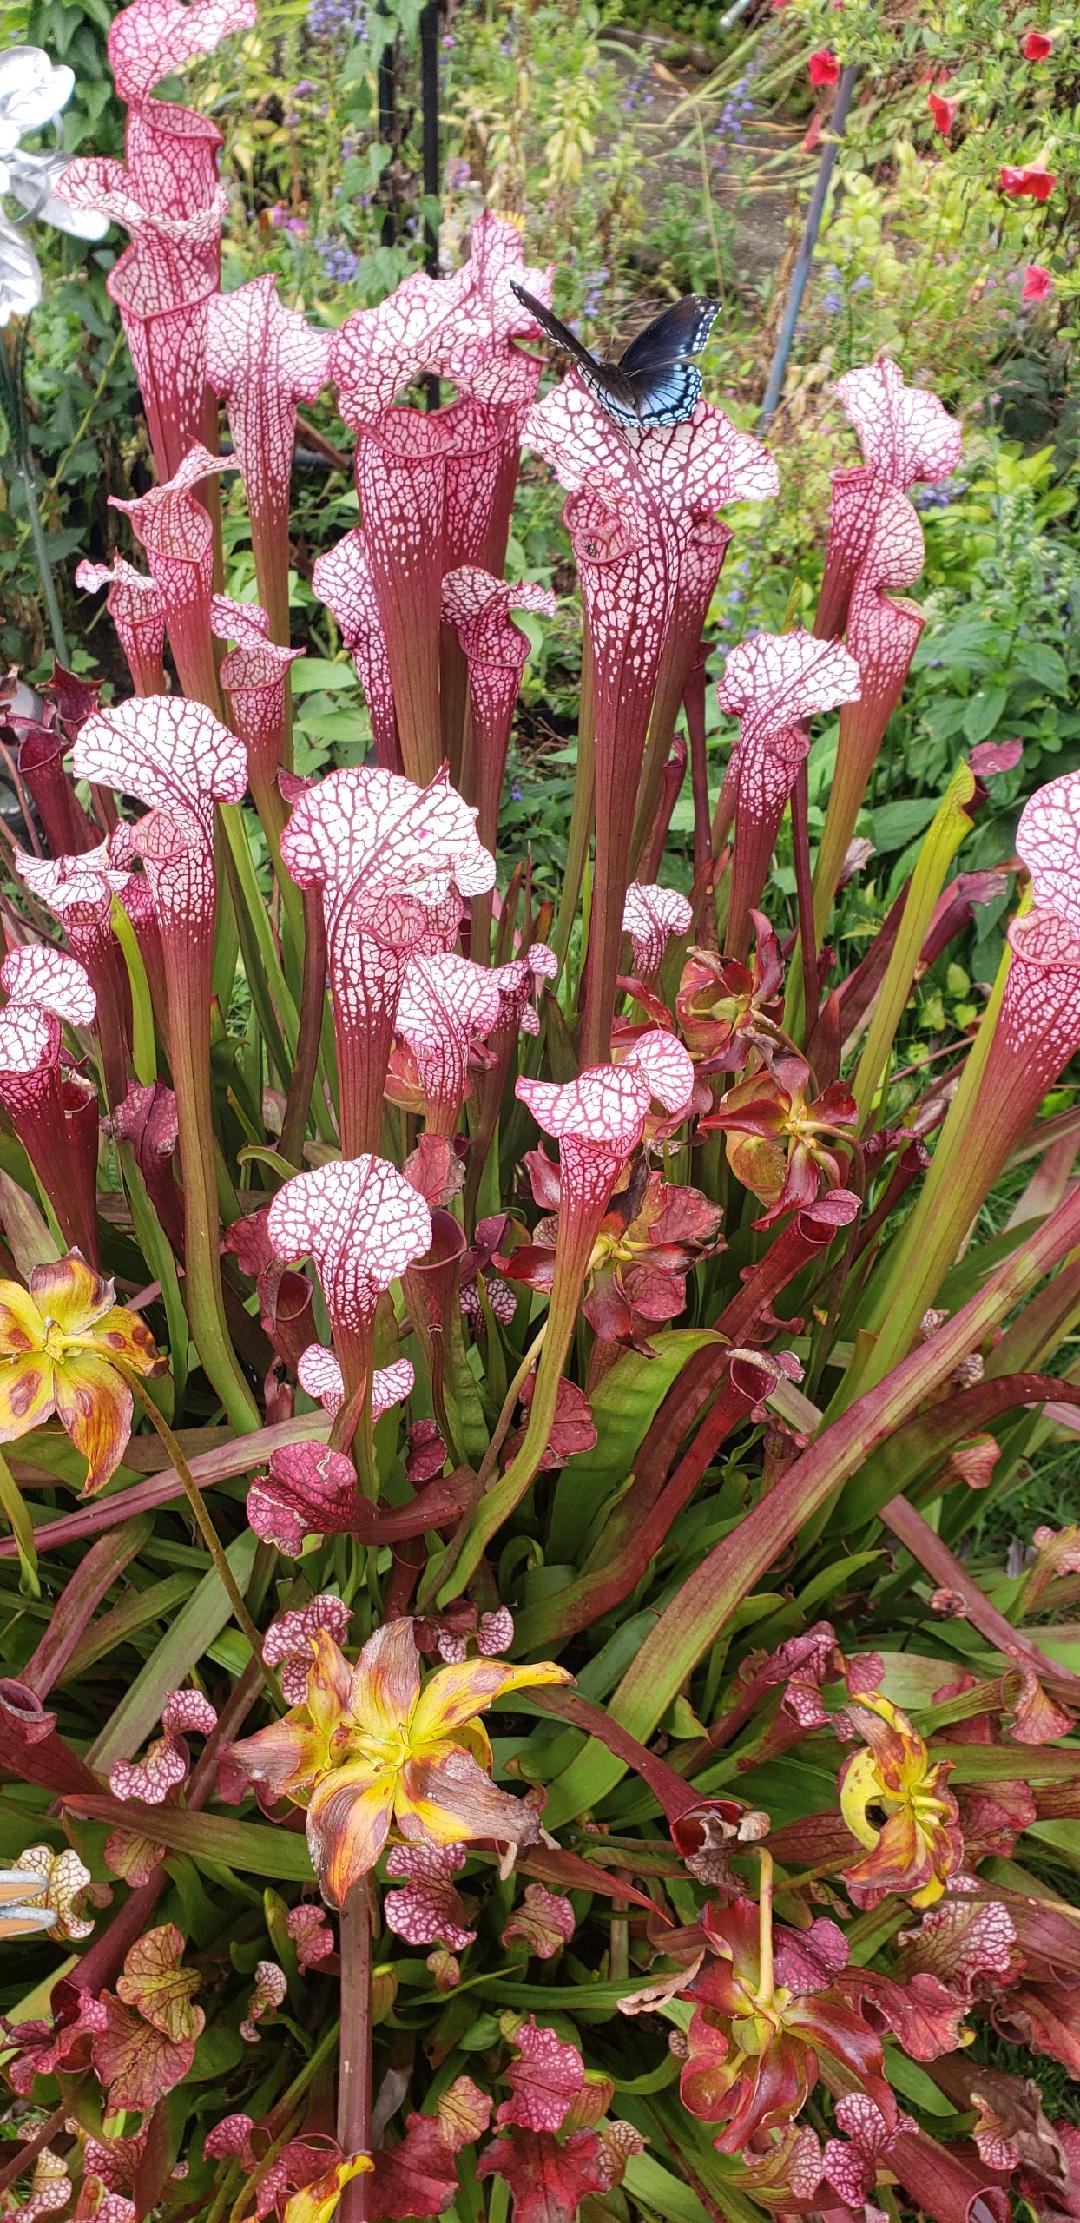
{"x": 60, "y": 1341}
{"x": 317, "y": 2202}
{"x": 370, "y": 1750}
{"x": 894, "y": 1799}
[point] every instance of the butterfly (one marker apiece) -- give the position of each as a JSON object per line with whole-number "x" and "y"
{"x": 654, "y": 382}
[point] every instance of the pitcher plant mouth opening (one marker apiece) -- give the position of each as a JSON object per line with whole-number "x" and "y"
{"x": 536, "y": 1368}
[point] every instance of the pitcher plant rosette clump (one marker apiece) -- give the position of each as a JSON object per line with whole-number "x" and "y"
{"x": 518, "y": 1700}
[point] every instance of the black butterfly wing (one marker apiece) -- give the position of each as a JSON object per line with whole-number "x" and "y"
{"x": 555, "y": 329}
{"x": 672, "y": 337}
{"x": 666, "y": 397}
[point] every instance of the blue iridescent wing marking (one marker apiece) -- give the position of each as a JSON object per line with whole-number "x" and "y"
{"x": 670, "y": 397}
{"x": 653, "y": 383}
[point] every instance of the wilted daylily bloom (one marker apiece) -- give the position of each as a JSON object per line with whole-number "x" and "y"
{"x": 779, "y": 1143}
{"x": 370, "y": 1749}
{"x": 60, "y": 1342}
{"x": 766, "y": 2005}
{"x": 727, "y": 1009}
{"x": 893, "y": 1798}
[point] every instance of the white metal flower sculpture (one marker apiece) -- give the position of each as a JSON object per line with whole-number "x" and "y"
{"x": 33, "y": 90}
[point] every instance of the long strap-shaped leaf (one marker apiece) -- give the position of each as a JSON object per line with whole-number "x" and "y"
{"x": 697, "y": 1616}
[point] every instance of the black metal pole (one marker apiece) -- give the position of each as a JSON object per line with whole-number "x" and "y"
{"x": 429, "y": 116}
{"x": 800, "y": 274}
{"x": 388, "y": 129}
{"x": 429, "y": 108}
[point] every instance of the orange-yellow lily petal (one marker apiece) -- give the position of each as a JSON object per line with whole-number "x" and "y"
{"x": 452, "y": 1801}
{"x": 894, "y": 1799}
{"x": 27, "y": 1394}
{"x": 62, "y": 1344}
{"x": 316, "y": 2202}
{"x": 455, "y": 1694}
{"x": 95, "y": 1406}
{"x": 70, "y": 1295}
{"x": 386, "y": 1682}
{"x": 348, "y": 1824}
{"x": 329, "y": 1686}
{"x": 294, "y": 1754}
{"x": 22, "y": 1328}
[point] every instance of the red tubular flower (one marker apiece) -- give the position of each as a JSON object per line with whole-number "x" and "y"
{"x": 179, "y": 761}
{"x": 178, "y": 536}
{"x": 169, "y": 198}
{"x": 285, "y": 1299}
{"x": 495, "y": 650}
{"x": 135, "y": 606}
{"x": 1030, "y": 183}
{"x": 390, "y": 861}
{"x": 823, "y": 67}
{"x": 805, "y": 1237}
{"x": 766, "y": 2006}
{"x": 1038, "y": 282}
{"x": 1037, "y": 46}
{"x": 54, "y": 1114}
{"x": 436, "y": 487}
{"x": 261, "y": 360}
{"x": 362, "y": 1224}
{"x": 772, "y": 683}
{"x": 940, "y": 2177}
{"x": 641, "y": 515}
{"x": 344, "y": 579}
{"x": 653, "y": 1233}
{"x": 255, "y": 677}
{"x": 79, "y": 890}
{"x": 642, "y": 1258}
{"x": 943, "y": 112}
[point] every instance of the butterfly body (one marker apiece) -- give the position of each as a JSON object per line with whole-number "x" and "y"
{"x": 655, "y": 381}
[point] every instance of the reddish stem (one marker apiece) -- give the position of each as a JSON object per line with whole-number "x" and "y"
{"x": 354, "y": 2058}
